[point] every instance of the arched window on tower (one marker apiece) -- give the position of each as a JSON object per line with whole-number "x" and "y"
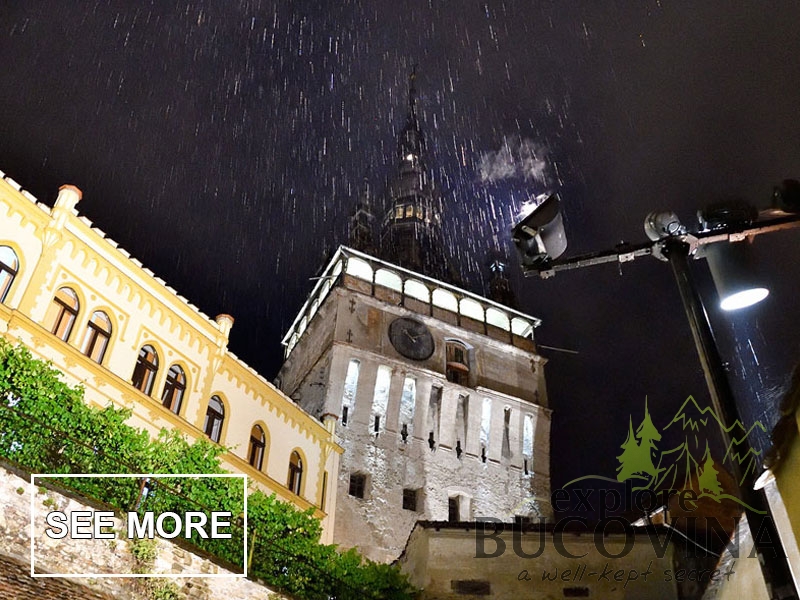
{"x": 258, "y": 443}
{"x": 408, "y": 401}
{"x": 62, "y": 313}
{"x": 350, "y": 389}
{"x": 506, "y": 448}
{"x": 486, "y": 427}
{"x": 174, "y": 389}
{"x": 457, "y": 363}
{"x": 295, "y": 479}
{"x": 380, "y": 398}
{"x": 527, "y": 443}
{"x": 215, "y": 416}
{"x": 9, "y": 267}
{"x": 144, "y": 373}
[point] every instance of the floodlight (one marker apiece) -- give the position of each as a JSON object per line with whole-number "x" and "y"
{"x": 732, "y": 268}
{"x": 659, "y": 225}
{"x": 540, "y": 236}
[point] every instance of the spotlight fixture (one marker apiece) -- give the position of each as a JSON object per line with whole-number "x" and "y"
{"x": 732, "y": 268}
{"x": 540, "y": 236}
{"x": 659, "y": 225}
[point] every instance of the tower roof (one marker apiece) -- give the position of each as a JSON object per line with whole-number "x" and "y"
{"x": 411, "y": 227}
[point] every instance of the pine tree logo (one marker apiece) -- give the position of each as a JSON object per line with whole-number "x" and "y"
{"x": 689, "y": 464}
{"x": 707, "y": 481}
{"x": 636, "y": 460}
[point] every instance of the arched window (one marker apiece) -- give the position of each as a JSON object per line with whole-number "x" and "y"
{"x": 350, "y": 388}
{"x": 388, "y": 279}
{"x": 295, "y": 472}
{"x": 144, "y": 373}
{"x": 215, "y": 415}
{"x": 457, "y": 362}
{"x": 62, "y": 313}
{"x": 174, "y": 388}
{"x": 98, "y": 333}
{"x": 258, "y": 442}
{"x": 9, "y": 266}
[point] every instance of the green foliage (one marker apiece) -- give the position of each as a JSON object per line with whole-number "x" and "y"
{"x": 144, "y": 552}
{"x": 46, "y": 427}
{"x": 164, "y": 590}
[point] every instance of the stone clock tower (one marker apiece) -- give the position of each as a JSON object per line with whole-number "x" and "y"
{"x": 436, "y": 394}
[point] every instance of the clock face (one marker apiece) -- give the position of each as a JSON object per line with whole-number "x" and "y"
{"x": 411, "y": 338}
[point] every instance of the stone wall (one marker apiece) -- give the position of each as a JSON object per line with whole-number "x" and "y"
{"x": 94, "y": 556}
{"x": 442, "y": 559}
{"x": 481, "y": 464}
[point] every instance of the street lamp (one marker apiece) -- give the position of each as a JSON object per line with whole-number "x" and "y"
{"x": 540, "y": 236}
{"x": 731, "y": 270}
{"x": 722, "y": 228}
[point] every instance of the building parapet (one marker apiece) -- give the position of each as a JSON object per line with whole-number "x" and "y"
{"x": 111, "y": 250}
{"x": 416, "y": 292}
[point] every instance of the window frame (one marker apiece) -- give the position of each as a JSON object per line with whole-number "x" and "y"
{"x": 457, "y": 366}
{"x": 213, "y": 418}
{"x": 94, "y": 333}
{"x": 147, "y": 369}
{"x": 454, "y": 509}
{"x": 174, "y": 387}
{"x": 11, "y": 271}
{"x": 294, "y": 480}
{"x": 357, "y": 486}
{"x": 257, "y": 448}
{"x": 408, "y": 495}
{"x": 64, "y": 310}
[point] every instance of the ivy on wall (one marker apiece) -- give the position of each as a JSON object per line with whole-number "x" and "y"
{"x": 46, "y": 427}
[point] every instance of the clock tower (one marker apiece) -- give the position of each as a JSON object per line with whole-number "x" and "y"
{"x": 436, "y": 394}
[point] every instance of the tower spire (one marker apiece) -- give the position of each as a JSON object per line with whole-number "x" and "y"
{"x": 411, "y": 231}
{"x": 412, "y": 91}
{"x": 411, "y": 144}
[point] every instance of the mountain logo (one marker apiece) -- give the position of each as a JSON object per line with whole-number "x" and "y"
{"x": 690, "y": 464}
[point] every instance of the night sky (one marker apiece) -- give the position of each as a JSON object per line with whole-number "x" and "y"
{"x": 224, "y": 144}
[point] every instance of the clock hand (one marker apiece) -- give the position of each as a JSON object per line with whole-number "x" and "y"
{"x": 411, "y": 337}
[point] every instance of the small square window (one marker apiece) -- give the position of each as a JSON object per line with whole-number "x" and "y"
{"x": 576, "y": 592}
{"x": 471, "y": 587}
{"x": 453, "y": 510}
{"x": 358, "y": 485}
{"x": 410, "y": 499}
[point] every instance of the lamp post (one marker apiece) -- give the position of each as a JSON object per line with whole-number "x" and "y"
{"x": 540, "y": 239}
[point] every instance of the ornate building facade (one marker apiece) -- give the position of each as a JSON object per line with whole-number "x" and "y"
{"x": 75, "y": 298}
{"x": 437, "y": 395}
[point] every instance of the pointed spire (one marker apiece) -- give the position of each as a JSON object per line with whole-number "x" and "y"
{"x": 412, "y": 92}
{"x": 412, "y": 143}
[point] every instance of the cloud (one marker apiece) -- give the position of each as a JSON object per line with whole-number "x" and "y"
{"x": 517, "y": 158}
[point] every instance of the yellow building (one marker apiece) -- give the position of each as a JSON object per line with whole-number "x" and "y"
{"x": 75, "y": 298}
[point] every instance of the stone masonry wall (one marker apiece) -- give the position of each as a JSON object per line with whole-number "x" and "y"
{"x": 95, "y": 556}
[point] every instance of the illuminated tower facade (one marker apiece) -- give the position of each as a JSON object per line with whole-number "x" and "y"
{"x": 436, "y": 394}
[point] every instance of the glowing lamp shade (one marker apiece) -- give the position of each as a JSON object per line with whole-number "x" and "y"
{"x": 733, "y": 270}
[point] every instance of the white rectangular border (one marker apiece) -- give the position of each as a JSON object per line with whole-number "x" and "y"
{"x": 137, "y": 475}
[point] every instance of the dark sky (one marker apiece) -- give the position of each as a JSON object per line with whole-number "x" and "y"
{"x": 223, "y": 144}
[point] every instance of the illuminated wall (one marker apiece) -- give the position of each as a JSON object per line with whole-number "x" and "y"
{"x": 75, "y": 298}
